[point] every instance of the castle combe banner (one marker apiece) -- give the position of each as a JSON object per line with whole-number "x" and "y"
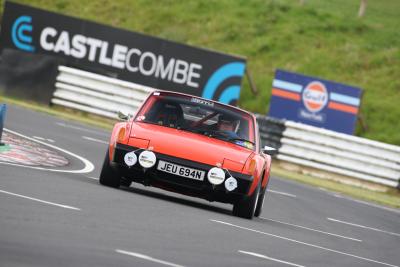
{"x": 315, "y": 101}
{"x": 131, "y": 56}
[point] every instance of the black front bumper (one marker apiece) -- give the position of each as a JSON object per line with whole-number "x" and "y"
{"x": 203, "y": 189}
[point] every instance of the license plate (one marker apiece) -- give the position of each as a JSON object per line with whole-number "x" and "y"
{"x": 180, "y": 170}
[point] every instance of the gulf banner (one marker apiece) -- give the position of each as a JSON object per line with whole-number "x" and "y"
{"x": 315, "y": 101}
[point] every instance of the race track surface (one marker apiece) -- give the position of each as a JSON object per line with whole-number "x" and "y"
{"x": 65, "y": 218}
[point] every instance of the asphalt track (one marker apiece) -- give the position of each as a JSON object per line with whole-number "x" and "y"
{"x": 66, "y": 218}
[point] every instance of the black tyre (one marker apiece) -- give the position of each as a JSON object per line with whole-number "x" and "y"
{"x": 109, "y": 176}
{"x": 260, "y": 203}
{"x": 261, "y": 200}
{"x": 246, "y": 207}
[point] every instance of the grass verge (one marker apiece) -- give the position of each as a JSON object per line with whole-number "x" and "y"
{"x": 390, "y": 198}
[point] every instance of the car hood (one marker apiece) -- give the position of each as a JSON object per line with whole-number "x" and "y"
{"x": 191, "y": 146}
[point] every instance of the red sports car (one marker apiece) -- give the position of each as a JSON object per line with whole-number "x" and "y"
{"x": 193, "y": 146}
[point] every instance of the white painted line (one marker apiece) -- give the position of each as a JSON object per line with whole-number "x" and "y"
{"x": 145, "y": 257}
{"x": 367, "y": 203}
{"x": 39, "y": 138}
{"x": 93, "y": 178}
{"x": 269, "y": 258}
{"x": 89, "y": 167}
{"x": 303, "y": 243}
{"x": 39, "y": 200}
{"x": 362, "y": 226}
{"x": 80, "y": 128}
{"x": 95, "y": 140}
{"x": 43, "y": 139}
{"x": 281, "y": 193}
{"x": 311, "y": 229}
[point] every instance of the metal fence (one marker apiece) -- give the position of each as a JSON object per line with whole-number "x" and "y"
{"x": 97, "y": 94}
{"x": 334, "y": 152}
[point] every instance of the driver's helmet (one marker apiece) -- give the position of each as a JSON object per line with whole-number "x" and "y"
{"x": 226, "y": 123}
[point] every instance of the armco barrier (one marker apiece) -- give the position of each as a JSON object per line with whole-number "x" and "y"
{"x": 338, "y": 153}
{"x": 97, "y": 94}
{"x": 3, "y": 109}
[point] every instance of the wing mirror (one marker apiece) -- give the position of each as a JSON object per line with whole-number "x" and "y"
{"x": 122, "y": 116}
{"x": 269, "y": 151}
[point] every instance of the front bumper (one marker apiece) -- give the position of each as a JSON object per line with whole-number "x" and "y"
{"x": 203, "y": 189}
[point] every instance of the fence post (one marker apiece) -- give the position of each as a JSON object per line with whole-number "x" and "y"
{"x": 2, "y": 118}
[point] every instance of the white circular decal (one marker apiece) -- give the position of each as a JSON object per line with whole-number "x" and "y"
{"x": 147, "y": 159}
{"x": 130, "y": 159}
{"x": 231, "y": 184}
{"x": 216, "y": 176}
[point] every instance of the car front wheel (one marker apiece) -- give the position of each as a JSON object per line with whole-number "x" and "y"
{"x": 109, "y": 176}
{"x": 246, "y": 206}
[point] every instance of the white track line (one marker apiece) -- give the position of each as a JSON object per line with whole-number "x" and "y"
{"x": 302, "y": 243}
{"x": 367, "y": 203}
{"x": 281, "y": 193}
{"x": 95, "y": 140}
{"x": 93, "y": 178}
{"x": 311, "y": 229}
{"x": 80, "y": 128}
{"x": 89, "y": 167}
{"x": 362, "y": 226}
{"x": 39, "y": 200}
{"x": 145, "y": 257}
{"x": 39, "y": 138}
{"x": 269, "y": 258}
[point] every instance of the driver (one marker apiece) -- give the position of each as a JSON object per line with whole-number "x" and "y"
{"x": 227, "y": 125}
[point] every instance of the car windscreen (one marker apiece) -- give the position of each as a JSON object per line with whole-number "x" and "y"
{"x": 199, "y": 116}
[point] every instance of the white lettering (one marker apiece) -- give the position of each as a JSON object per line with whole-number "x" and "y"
{"x": 63, "y": 43}
{"x": 128, "y": 59}
{"x": 118, "y": 56}
{"x": 167, "y": 71}
{"x": 181, "y": 69}
{"x": 103, "y": 54}
{"x": 192, "y": 74}
{"x": 43, "y": 38}
{"x": 142, "y": 59}
{"x": 78, "y": 46}
{"x": 94, "y": 44}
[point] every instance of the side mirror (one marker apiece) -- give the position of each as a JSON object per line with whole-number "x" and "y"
{"x": 269, "y": 151}
{"x": 122, "y": 116}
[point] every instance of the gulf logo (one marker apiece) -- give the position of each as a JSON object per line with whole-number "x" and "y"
{"x": 315, "y": 96}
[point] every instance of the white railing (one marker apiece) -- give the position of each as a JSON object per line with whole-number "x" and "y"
{"x": 97, "y": 94}
{"x": 338, "y": 153}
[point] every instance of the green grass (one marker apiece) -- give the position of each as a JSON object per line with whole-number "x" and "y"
{"x": 322, "y": 38}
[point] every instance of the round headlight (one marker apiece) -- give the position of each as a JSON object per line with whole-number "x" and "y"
{"x": 130, "y": 159}
{"x": 231, "y": 184}
{"x": 216, "y": 176}
{"x": 147, "y": 159}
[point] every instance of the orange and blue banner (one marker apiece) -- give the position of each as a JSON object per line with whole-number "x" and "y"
{"x": 315, "y": 101}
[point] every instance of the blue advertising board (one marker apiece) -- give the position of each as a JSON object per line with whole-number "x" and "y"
{"x": 315, "y": 101}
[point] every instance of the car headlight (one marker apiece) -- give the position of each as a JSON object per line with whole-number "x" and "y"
{"x": 231, "y": 184}
{"x": 147, "y": 159}
{"x": 216, "y": 176}
{"x": 130, "y": 159}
